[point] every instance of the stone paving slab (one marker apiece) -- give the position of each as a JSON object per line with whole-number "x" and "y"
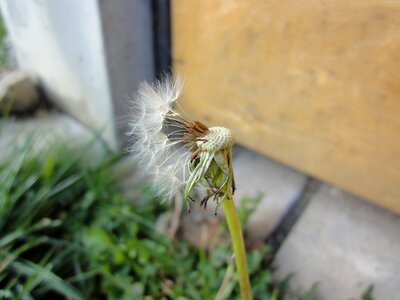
{"x": 45, "y": 130}
{"x": 344, "y": 244}
{"x": 280, "y": 186}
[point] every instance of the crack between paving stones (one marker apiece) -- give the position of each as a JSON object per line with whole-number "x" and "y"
{"x": 278, "y": 236}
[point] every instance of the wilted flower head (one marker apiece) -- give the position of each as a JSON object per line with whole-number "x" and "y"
{"x": 177, "y": 153}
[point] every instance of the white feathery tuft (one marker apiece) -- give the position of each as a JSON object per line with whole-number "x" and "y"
{"x": 153, "y": 102}
{"x": 163, "y": 159}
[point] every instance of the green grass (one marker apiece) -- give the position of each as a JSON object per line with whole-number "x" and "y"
{"x": 65, "y": 231}
{"x": 3, "y": 45}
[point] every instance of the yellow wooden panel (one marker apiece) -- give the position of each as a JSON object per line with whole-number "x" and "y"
{"x": 313, "y": 84}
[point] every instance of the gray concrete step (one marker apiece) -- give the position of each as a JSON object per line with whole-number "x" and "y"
{"x": 46, "y": 130}
{"x": 343, "y": 244}
{"x": 279, "y": 186}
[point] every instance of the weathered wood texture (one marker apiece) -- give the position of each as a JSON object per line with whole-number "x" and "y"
{"x": 313, "y": 84}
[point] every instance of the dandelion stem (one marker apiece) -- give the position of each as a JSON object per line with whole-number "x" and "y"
{"x": 239, "y": 250}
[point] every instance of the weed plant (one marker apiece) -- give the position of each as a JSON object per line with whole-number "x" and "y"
{"x": 66, "y": 232}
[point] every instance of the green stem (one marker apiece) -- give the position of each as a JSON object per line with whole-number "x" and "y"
{"x": 239, "y": 250}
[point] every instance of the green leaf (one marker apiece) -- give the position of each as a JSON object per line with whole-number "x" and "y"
{"x": 45, "y": 275}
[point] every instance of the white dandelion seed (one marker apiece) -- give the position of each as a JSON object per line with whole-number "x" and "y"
{"x": 178, "y": 153}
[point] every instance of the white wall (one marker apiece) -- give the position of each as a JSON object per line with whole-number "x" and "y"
{"x": 61, "y": 43}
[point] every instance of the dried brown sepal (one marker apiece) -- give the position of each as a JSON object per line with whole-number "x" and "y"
{"x": 197, "y": 129}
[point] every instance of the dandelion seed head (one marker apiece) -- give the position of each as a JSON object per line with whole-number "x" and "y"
{"x": 174, "y": 152}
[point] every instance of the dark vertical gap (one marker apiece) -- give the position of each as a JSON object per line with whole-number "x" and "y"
{"x": 278, "y": 236}
{"x": 162, "y": 36}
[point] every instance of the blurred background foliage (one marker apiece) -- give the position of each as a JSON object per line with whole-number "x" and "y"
{"x": 3, "y": 45}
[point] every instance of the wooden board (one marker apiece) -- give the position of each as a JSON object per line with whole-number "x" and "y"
{"x": 313, "y": 84}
